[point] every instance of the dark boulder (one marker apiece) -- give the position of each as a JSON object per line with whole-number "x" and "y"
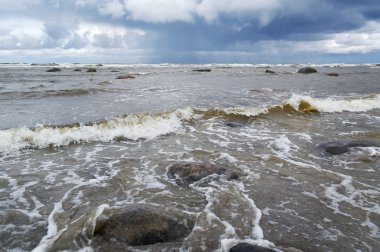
{"x": 307, "y": 70}
{"x": 99, "y": 65}
{"x": 188, "y": 173}
{"x": 54, "y": 69}
{"x": 246, "y": 247}
{"x": 202, "y": 70}
{"x": 341, "y": 147}
{"x": 91, "y": 70}
{"x": 77, "y": 70}
{"x": 333, "y": 74}
{"x": 126, "y": 76}
{"x": 270, "y": 71}
{"x": 144, "y": 225}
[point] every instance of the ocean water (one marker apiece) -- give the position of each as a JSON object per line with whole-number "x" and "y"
{"x": 74, "y": 145}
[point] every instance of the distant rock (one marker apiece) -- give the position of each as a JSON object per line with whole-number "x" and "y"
{"x": 202, "y": 70}
{"x": 188, "y": 173}
{"x": 126, "y": 76}
{"x": 246, "y": 247}
{"x": 54, "y": 69}
{"x": 99, "y": 65}
{"x": 270, "y": 71}
{"x": 307, "y": 70}
{"x": 77, "y": 70}
{"x": 378, "y": 65}
{"x": 91, "y": 70}
{"x": 341, "y": 147}
{"x": 333, "y": 74}
{"x": 144, "y": 225}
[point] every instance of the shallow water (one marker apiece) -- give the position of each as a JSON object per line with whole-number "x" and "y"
{"x": 76, "y": 144}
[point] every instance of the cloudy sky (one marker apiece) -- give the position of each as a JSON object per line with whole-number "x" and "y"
{"x": 190, "y": 31}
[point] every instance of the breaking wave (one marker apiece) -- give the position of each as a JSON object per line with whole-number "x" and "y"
{"x": 149, "y": 126}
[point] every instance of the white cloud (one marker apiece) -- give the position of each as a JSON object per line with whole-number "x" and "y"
{"x": 161, "y": 11}
{"x": 113, "y": 8}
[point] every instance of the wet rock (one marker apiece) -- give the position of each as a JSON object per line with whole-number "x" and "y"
{"x": 126, "y": 76}
{"x": 333, "y": 74}
{"x": 54, "y": 69}
{"x": 270, "y": 71}
{"x": 202, "y": 70}
{"x": 246, "y": 247}
{"x": 91, "y": 70}
{"x": 77, "y": 70}
{"x": 144, "y": 225}
{"x": 341, "y": 147}
{"x": 188, "y": 173}
{"x": 232, "y": 175}
{"x": 99, "y": 65}
{"x": 307, "y": 70}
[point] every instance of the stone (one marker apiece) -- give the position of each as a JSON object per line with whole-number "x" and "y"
{"x": 144, "y": 225}
{"x": 126, "y": 76}
{"x": 333, "y": 74}
{"x": 77, "y": 70}
{"x": 307, "y": 70}
{"x": 246, "y": 247}
{"x": 54, "y": 69}
{"x": 270, "y": 71}
{"x": 188, "y": 173}
{"x": 341, "y": 147}
{"x": 202, "y": 70}
{"x": 91, "y": 70}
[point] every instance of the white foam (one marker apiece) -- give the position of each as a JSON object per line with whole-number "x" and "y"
{"x": 334, "y": 105}
{"x": 141, "y": 126}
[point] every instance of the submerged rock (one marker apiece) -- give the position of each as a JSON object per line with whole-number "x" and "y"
{"x": 54, "y": 69}
{"x": 145, "y": 225}
{"x": 341, "y": 147}
{"x": 307, "y": 70}
{"x": 333, "y": 74}
{"x": 202, "y": 70}
{"x": 270, "y": 71}
{"x": 188, "y": 173}
{"x": 126, "y": 76}
{"x": 246, "y": 247}
{"x": 91, "y": 70}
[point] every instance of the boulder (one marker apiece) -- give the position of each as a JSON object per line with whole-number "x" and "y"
{"x": 307, "y": 70}
{"x": 270, "y": 71}
{"x": 202, "y": 70}
{"x": 333, "y": 74}
{"x": 126, "y": 76}
{"x": 188, "y": 173}
{"x": 91, "y": 70}
{"x": 54, "y": 69}
{"x": 341, "y": 147}
{"x": 77, "y": 70}
{"x": 144, "y": 225}
{"x": 246, "y": 247}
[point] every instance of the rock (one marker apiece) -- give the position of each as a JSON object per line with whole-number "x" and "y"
{"x": 188, "y": 173}
{"x": 126, "y": 76}
{"x": 77, "y": 70}
{"x": 231, "y": 175}
{"x": 270, "y": 71}
{"x": 202, "y": 70}
{"x": 99, "y": 65}
{"x": 332, "y": 74}
{"x": 144, "y": 225}
{"x": 307, "y": 70}
{"x": 54, "y": 69}
{"x": 341, "y": 147}
{"x": 378, "y": 65}
{"x": 91, "y": 70}
{"x": 246, "y": 247}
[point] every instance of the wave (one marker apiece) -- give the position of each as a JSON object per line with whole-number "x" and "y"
{"x": 52, "y": 93}
{"x": 130, "y": 127}
{"x": 149, "y": 126}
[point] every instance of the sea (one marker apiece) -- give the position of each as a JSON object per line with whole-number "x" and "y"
{"x": 77, "y": 145}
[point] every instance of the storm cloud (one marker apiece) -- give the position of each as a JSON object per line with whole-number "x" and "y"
{"x": 190, "y": 31}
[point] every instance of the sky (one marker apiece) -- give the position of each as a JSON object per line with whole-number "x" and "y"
{"x": 190, "y": 31}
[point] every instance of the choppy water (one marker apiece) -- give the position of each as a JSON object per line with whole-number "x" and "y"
{"x": 74, "y": 144}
